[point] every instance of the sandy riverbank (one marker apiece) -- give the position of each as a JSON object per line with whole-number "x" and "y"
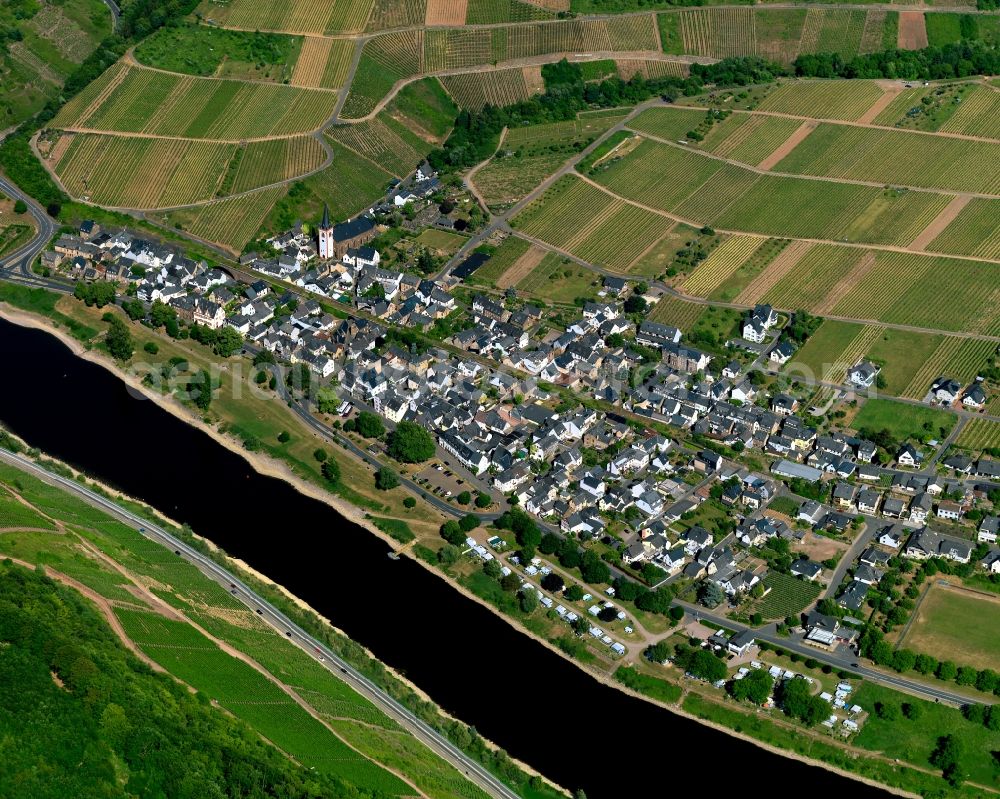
{"x": 267, "y": 466}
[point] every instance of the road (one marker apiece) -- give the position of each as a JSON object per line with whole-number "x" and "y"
{"x": 474, "y": 771}
{"x": 17, "y": 265}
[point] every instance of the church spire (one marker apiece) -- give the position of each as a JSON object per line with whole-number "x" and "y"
{"x": 326, "y": 216}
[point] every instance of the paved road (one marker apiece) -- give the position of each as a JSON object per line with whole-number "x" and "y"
{"x": 864, "y": 538}
{"x": 475, "y": 772}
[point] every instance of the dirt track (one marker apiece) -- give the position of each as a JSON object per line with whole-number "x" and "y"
{"x": 940, "y": 222}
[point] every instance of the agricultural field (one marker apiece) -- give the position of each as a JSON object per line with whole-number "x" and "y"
{"x": 560, "y": 280}
{"x": 979, "y": 435}
{"x": 229, "y": 223}
{"x": 942, "y": 626}
{"x": 904, "y": 421}
{"x": 624, "y": 34}
{"x": 387, "y": 14}
{"x": 206, "y": 51}
{"x": 53, "y": 40}
{"x": 823, "y": 99}
{"x": 788, "y": 596}
{"x": 897, "y": 158}
{"x": 292, "y": 16}
{"x": 487, "y": 12}
{"x": 749, "y": 139}
{"x": 424, "y": 108}
{"x": 668, "y": 123}
{"x": 14, "y": 513}
{"x": 137, "y": 100}
{"x": 746, "y": 273}
{"x": 614, "y": 235}
{"x": 503, "y": 258}
{"x": 973, "y": 232}
{"x": 721, "y": 265}
{"x": 266, "y": 162}
{"x": 500, "y": 87}
{"x": 322, "y": 63}
{"x": 143, "y": 173}
{"x": 384, "y": 60}
{"x": 779, "y": 34}
{"x": 925, "y": 108}
{"x": 677, "y": 312}
{"x": 384, "y": 141}
{"x": 977, "y": 115}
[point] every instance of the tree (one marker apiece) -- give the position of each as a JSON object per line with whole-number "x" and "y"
{"x": 386, "y": 479}
{"x": 331, "y": 471}
{"x": 410, "y": 443}
{"x": 119, "y": 340}
{"x": 510, "y": 583}
{"x": 410, "y": 502}
{"x": 227, "y": 342}
{"x": 20, "y": 207}
{"x": 492, "y": 569}
{"x": 452, "y": 533}
{"x": 912, "y": 710}
{"x": 925, "y": 664}
{"x": 710, "y": 594}
{"x": 946, "y": 670}
{"x": 320, "y": 455}
{"x": 483, "y": 500}
{"x": 676, "y": 614}
{"x": 369, "y": 425}
{"x": 658, "y": 653}
{"x": 966, "y": 675}
{"x": 707, "y": 666}
{"x": 284, "y": 437}
{"x": 986, "y": 680}
{"x": 574, "y": 593}
{"x": 448, "y": 554}
{"x": 794, "y": 698}
{"x": 464, "y": 498}
{"x": 200, "y": 389}
{"x": 553, "y": 582}
{"x": 889, "y": 711}
{"x": 468, "y": 522}
{"x": 134, "y": 309}
{"x": 755, "y": 687}
{"x": 948, "y": 757}
{"x": 151, "y": 347}
{"x": 903, "y": 660}
{"x": 528, "y": 600}
{"x": 593, "y": 569}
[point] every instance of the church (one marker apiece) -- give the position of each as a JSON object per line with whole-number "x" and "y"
{"x": 336, "y": 240}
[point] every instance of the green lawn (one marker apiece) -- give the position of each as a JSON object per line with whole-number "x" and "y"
{"x": 650, "y": 686}
{"x": 904, "y": 421}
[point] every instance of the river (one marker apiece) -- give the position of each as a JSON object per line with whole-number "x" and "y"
{"x": 539, "y": 707}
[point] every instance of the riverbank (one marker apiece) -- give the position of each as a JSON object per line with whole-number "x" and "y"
{"x": 265, "y": 465}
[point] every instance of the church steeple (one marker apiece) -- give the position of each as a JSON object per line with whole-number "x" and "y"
{"x": 326, "y": 243}
{"x": 326, "y": 216}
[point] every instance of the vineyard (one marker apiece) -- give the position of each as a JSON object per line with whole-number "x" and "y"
{"x": 977, "y": 115}
{"x": 229, "y": 223}
{"x": 973, "y": 232}
{"x": 749, "y": 138}
{"x": 980, "y": 434}
{"x": 457, "y": 48}
{"x": 673, "y": 311}
{"x": 384, "y": 141}
{"x": 485, "y": 12}
{"x": 956, "y": 357}
{"x": 621, "y": 34}
{"x": 822, "y": 99}
{"x": 499, "y": 88}
{"x": 814, "y": 278}
{"x": 505, "y": 256}
{"x": 788, "y": 596}
{"x": 146, "y": 101}
{"x": 15, "y": 514}
{"x": 384, "y": 60}
{"x": 143, "y": 173}
{"x": 291, "y": 16}
{"x": 267, "y": 162}
{"x": 897, "y": 158}
{"x": 748, "y": 272}
{"x": 721, "y": 265}
{"x": 322, "y": 63}
{"x": 388, "y": 14}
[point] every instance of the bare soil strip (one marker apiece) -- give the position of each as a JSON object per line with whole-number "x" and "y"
{"x": 879, "y": 105}
{"x": 522, "y": 267}
{"x": 787, "y": 146}
{"x": 940, "y": 222}
{"x": 780, "y": 267}
{"x": 60, "y": 147}
{"x": 446, "y": 12}
{"x": 849, "y": 280}
{"x": 533, "y": 79}
{"x": 912, "y": 30}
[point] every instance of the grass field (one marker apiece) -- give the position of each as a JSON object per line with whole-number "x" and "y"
{"x": 136, "y": 100}
{"x": 502, "y": 259}
{"x": 384, "y": 60}
{"x": 914, "y": 741}
{"x": 293, "y": 16}
{"x": 557, "y": 279}
{"x": 424, "y": 108}
{"x": 943, "y": 627}
{"x": 788, "y": 596}
{"x": 904, "y": 421}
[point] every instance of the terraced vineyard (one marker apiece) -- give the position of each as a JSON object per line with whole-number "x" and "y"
{"x": 499, "y": 88}
{"x": 721, "y": 265}
{"x": 980, "y": 434}
{"x": 385, "y": 142}
{"x": 823, "y": 99}
{"x": 136, "y": 100}
{"x": 973, "y": 232}
{"x": 229, "y": 223}
{"x": 291, "y": 16}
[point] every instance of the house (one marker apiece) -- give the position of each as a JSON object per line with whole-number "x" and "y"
{"x": 868, "y": 501}
{"x": 891, "y": 536}
{"x": 782, "y": 353}
{"x": 756, "y": 324}
{"x": 908, "y": 456}
{"x": 949, "y": 510}
{"x": 926, "y": 543}
{"x": 946, "y": 390}
{"x": 653, "y": 334}
{"x": 784, "y": 405}
{"x": 806, "y": 569}
{"x": 853, "y": 597}
{"x": 988, "y": 529}
{"x": 975, "y": 397}
{"x": 810, "y": 512}
{"x": 863, "y": 374}
{"x": 707, "y": 461}
{"x": 843, "y": 495}
{"x": 741, "y": 643}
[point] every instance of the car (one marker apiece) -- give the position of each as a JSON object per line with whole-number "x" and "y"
{"x": 343, "y": 670}
{"x": 142, "y": 529}
{"x": 288, "y": 633}
{"x": 177, "y": 552}
{"x": 260, "y": 612}
{"x": 855, "y": 665}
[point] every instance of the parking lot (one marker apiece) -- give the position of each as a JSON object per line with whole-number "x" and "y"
{"x": 441, "y": 480}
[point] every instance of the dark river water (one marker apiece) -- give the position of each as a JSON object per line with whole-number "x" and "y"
{"x": 539, "y": 707}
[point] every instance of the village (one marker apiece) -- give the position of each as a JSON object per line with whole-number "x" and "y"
{"x": 678, "y": 467}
